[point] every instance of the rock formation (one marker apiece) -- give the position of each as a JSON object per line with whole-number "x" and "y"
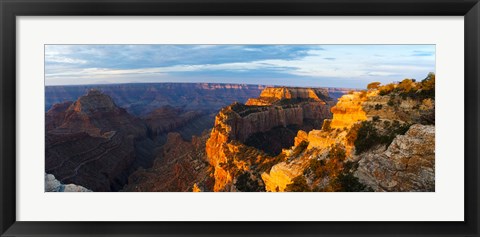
{"x": 348, "y": 110}
{"x": 286, "y": 139}
{"x": 95, "y": 113}
{"x": 95, "y": 143}
{"x": 53, "y": 185}
{"x": 382, "y": 139}
{"x": 271, "y": 95}
{"x": 408, "y": 164}
{"x": 279, "y": 107}
{"x": 56, "y": 115}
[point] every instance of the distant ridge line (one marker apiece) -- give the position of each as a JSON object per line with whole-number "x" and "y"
{"x": 208, "y": 83}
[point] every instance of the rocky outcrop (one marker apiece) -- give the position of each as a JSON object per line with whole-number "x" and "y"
{"x": 382, "y": 158}
{"x": 407, "y": 165}
{"x": 240, "y": 121}
{"x": 95, "y": 113}
{"x": 282, "y": 175}
{"x": 349, "y": 110}
{"x": 319, "y": 143}
{"x": 95, "y": 144}
{"x": 56, "y": 115}
{"x": 240, "y": 128}
{"x": 270, "y": 95}
{"x": 53, "y": 185}
{"x": 237, "y": 122}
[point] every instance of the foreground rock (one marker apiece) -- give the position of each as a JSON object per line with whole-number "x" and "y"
{"x": 407, "y": 165}
{"x": 53, "y": 185}
{"x": 382, "y": 139}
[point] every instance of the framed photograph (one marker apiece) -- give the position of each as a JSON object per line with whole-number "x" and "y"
{"x": 258, "y": 118}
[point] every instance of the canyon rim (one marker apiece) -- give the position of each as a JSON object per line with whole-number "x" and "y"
{"x": 239, "y": 118}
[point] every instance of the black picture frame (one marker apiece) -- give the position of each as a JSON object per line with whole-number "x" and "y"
{"x": 470, "y": 9}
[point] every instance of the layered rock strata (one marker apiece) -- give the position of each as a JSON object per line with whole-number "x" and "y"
{"x": 389, "y": 160}
{"x": 92, "y": 142}
{"x": 235, "y": 123}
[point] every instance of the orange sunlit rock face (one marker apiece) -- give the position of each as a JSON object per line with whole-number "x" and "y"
{"x": 215, "y": 149}
{"x": 272, "y": 94}
{"x": 237, "y": 122}
{"x": 348, "y": 110}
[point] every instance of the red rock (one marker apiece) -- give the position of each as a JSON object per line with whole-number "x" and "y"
{"x": 94, "y": 145}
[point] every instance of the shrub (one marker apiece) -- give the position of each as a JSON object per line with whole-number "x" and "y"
{"x": 373, "y": 85}
{"x": 391, "y": 101}
{"x": 352, "y": 134}
{"x": 329, "y": 166}
{"x": 299, "y": 184}
{"x": 376, "y": 118}
{"x": 300, "y": 148}
{"x": 429, "y": 82}
{"x": 363, "y": 94}
{"x": 378, "y": 107}
{"x": 369, "y": 137}
{"x": 326, "y": 124}
{"x": 332, "y": 174}
{"x": 349, "y": 183}
{"x": 425, "y": 89}
{"x": 386, "y": 89}
{"x": 246, "y": 184}
{"x": 266, "y": 162}
{"x": 406, "y": 85}
{"x": 427, "y": 117}
{"x": 244, "y": 110}
{"x": 337, "y": 152}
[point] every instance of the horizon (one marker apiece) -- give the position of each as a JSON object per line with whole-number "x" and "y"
{"x": 225, "y": 83}
{"x": 334, "y": 66}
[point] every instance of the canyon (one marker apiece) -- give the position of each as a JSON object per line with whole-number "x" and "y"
{"x": 97, "y": 136}
{"x": 203, "y": 137}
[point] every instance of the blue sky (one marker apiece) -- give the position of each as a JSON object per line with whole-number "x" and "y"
{"x": 352, "y": 66}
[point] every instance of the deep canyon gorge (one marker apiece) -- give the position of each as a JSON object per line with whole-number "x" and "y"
{"x": 208, "y": 137}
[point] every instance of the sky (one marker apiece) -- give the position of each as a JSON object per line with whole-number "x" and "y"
{"x": 351, "y": 66}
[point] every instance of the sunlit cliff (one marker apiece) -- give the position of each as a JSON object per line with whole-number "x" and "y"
{"x": 378, "y": 139}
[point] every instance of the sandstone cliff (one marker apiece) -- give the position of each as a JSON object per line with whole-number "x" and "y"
{"x": 270, "y": 95}
{"x": 225, "y": 148}
{"x": 382, "y": 139}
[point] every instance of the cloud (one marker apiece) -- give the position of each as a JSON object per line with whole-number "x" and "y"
{"x": 60, "y": 59}
{"x": 381, "y": 74}
{"x": 304, "y": 64}
{"x": 424, "y": 52}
